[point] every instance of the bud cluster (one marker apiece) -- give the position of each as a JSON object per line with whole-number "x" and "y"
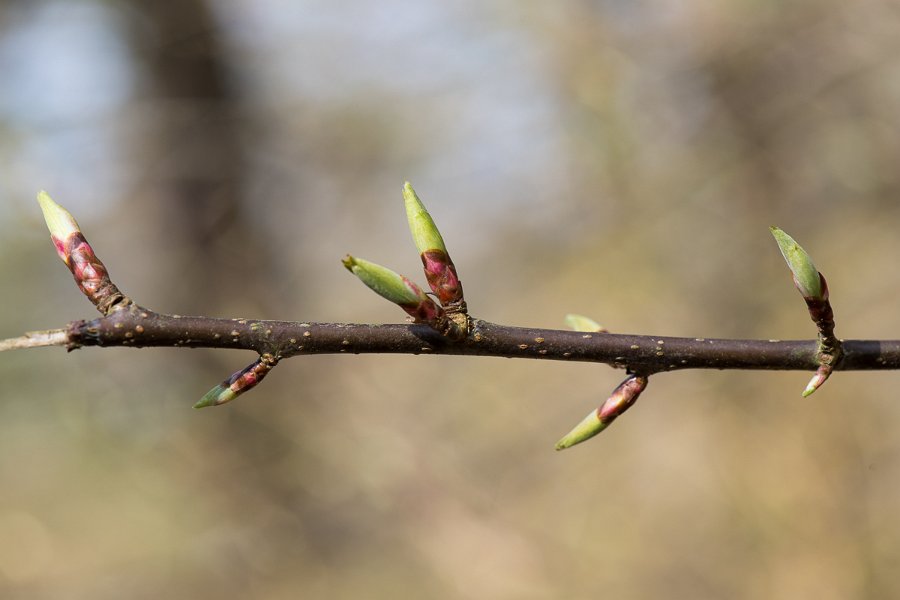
{"x": 450, "y": 316}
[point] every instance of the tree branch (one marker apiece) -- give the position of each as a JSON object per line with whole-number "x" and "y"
{"x": 445, "y": 327}
{"x": 137, "y": 327}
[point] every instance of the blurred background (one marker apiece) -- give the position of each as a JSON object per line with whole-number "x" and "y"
{"x": 617, "y": 159}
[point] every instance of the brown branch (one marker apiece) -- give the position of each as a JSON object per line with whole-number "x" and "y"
{"x": 137, "y": 327}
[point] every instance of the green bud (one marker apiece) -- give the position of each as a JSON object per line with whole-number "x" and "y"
{"x": 384, "y": 282}
{"x": 424, "y": 232}
{"x": 621, "y": 399}
{"x": 395, "y": 288}
{"x": 806, "y": 276}
{"x": 62, "y": 226}
{"x": 582, "y": 323}
{"x": 439, "y": 268}
{"x": 240, "y": 382}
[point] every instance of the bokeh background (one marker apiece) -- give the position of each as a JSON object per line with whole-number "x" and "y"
{"x": 618, "y": 159}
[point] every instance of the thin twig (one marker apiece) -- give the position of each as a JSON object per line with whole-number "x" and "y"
{"x": 36, "y": 339}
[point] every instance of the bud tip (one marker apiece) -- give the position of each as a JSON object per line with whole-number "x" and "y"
{"x": 806, "y": 276}
{"x": 582, "y": 323}
{"x": 816, "y": 382}
{"x": 424, "y": 232}
{"x": 218, "y": 395}
{"x": 590, "y": 426}
{"x": 59, "y": 221}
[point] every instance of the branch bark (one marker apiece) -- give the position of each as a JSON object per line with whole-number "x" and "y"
{"x": 137, "y": 327}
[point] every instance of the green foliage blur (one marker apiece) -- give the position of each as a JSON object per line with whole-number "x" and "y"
{"x": 620, "y": 160}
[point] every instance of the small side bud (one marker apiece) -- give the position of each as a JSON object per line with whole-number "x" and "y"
{"x": 439, "y": 269}
{"x": 821, "y": 375}
{"x": 396, "y": 288}
{"x": 586, "y": 324}
{"x": 240, "y": 382}
{"x": 622, "y": 398}
{"x": 89, "y": 272}
{"x": 806, "y": 276}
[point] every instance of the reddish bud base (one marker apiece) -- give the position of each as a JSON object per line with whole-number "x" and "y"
{"x": 90, "y": 274}
{"x": 60, "y": 249}
{"x": 413, "y": 288}
{"x": 622, "y": 398}
{"x": 249, "y": 377}
{"x": 829, "y": 351}
{"x": 442, "y": 278}
{"x": 425, "y": 311}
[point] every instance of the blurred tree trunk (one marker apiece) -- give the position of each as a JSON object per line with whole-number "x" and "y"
{"x": 195, "y": 166}
{"x": 219, "y": 257}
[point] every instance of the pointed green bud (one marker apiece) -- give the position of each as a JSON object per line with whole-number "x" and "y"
{"x": 439, "y": 269}
{"x": 60, "y": 222}
{"x": 806, "y": 276}
{"x": 425, "y": 233}
{"x": 240, "y": 382}
{"x": 386, "y": 283}
{"x": 621, "y": 399}
{"x": 814, "y": 288}
{"x": 582, "y": 323}
{"x": 396, "y": 288}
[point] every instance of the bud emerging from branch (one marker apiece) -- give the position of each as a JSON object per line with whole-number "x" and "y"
{"x": 582, "y": 323}
{"x": 245, "y": 379}
{"x": 90, "y": 274}
{"x": 814, "y": 288}
{"x": 806, "y": 276}
{"x": 396, "y": 288}
{"x": 439, "y": 269}
{"x": 618, "y": 402}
